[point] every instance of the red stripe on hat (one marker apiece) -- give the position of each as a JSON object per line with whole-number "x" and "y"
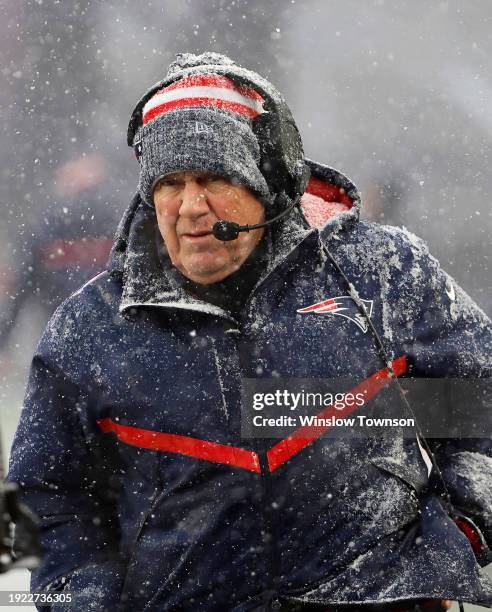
{"x": 184, "y": 445}
{"x": 213, "y": 80}
{"x": 302, "y": 437}
{"x": 216, "y": 102}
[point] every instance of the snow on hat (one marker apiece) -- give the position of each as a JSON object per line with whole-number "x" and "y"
{"x": 202, "y": 122}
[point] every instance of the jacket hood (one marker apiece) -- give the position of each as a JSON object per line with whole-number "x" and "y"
{"x": 331, "y": 202}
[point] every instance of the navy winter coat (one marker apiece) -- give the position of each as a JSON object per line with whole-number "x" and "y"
{"x": 130, "y": 452}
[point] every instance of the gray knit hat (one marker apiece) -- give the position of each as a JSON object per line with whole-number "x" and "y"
{"x": 210, "y": 115}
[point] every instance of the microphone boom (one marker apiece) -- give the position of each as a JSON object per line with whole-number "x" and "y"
{"x": 228, "y": 230}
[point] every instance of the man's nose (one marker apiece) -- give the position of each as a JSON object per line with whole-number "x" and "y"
{"x": 193, "y": 200}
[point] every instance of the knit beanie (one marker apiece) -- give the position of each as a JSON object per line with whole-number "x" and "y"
{"x": 201, "y": 117}
{"x": 203, "y": 123}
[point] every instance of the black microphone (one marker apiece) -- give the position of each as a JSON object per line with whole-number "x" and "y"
{"x": 228, "y": 230}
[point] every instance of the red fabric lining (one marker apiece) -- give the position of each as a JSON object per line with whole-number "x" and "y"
{"x": 240, "y": 457}
{"x": 471, "y": 534}
{"x": 328, "y": 192}
{"x": 321, "y": 201}
{"x": 317, "y": 211}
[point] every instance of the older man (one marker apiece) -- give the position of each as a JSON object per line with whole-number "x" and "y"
{"x": 129, "y": 447}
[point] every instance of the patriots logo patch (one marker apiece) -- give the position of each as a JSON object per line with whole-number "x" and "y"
{"x": 343, "y": 306}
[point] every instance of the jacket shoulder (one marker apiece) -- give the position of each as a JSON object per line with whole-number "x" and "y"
{"x": 104, "y": 286}
{"x": 399, "y": 238}
{"x": 100, "y": 293}
{"x": 376, "y": 248}
{"x": 412, "y": 284}
{"x": 82, "y": 316}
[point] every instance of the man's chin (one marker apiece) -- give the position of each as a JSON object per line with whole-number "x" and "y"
{"x": 205, "y": 273}
{"x": 207, "y": 278}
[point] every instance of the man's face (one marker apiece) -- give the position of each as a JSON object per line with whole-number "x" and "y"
{"x": 187, "y": 205}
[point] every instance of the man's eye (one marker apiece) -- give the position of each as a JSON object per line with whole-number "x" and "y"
{"x": 216, "y": 183}
{"x": 166, "y": 184}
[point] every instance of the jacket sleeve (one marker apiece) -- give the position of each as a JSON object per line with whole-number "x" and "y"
{"x": 449, "y": 336}
{"x": 69, "y": 481}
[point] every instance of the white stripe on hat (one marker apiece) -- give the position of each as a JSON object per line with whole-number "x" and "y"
{"x": 218, "y": 93}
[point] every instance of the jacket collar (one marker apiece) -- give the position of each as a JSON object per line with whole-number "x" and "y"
{"x": 146, "y": 281}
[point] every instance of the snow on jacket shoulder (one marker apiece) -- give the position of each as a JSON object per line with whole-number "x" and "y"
{"x": 129, "y": 444}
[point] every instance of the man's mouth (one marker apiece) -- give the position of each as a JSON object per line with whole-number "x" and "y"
{"x": 197, "y": 234}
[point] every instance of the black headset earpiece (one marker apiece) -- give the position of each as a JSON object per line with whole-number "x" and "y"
{"x": 281, "y": 153}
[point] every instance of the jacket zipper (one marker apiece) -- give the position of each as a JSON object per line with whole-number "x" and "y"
{"x": 268, "y": 526}
{"x": 152, "y": 505}
{"x": 271, "y": 599}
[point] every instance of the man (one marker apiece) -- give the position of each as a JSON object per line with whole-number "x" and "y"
{"x": 129, "y": 447}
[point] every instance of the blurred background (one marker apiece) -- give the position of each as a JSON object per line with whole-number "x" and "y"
{"x": 396, "y": 94}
